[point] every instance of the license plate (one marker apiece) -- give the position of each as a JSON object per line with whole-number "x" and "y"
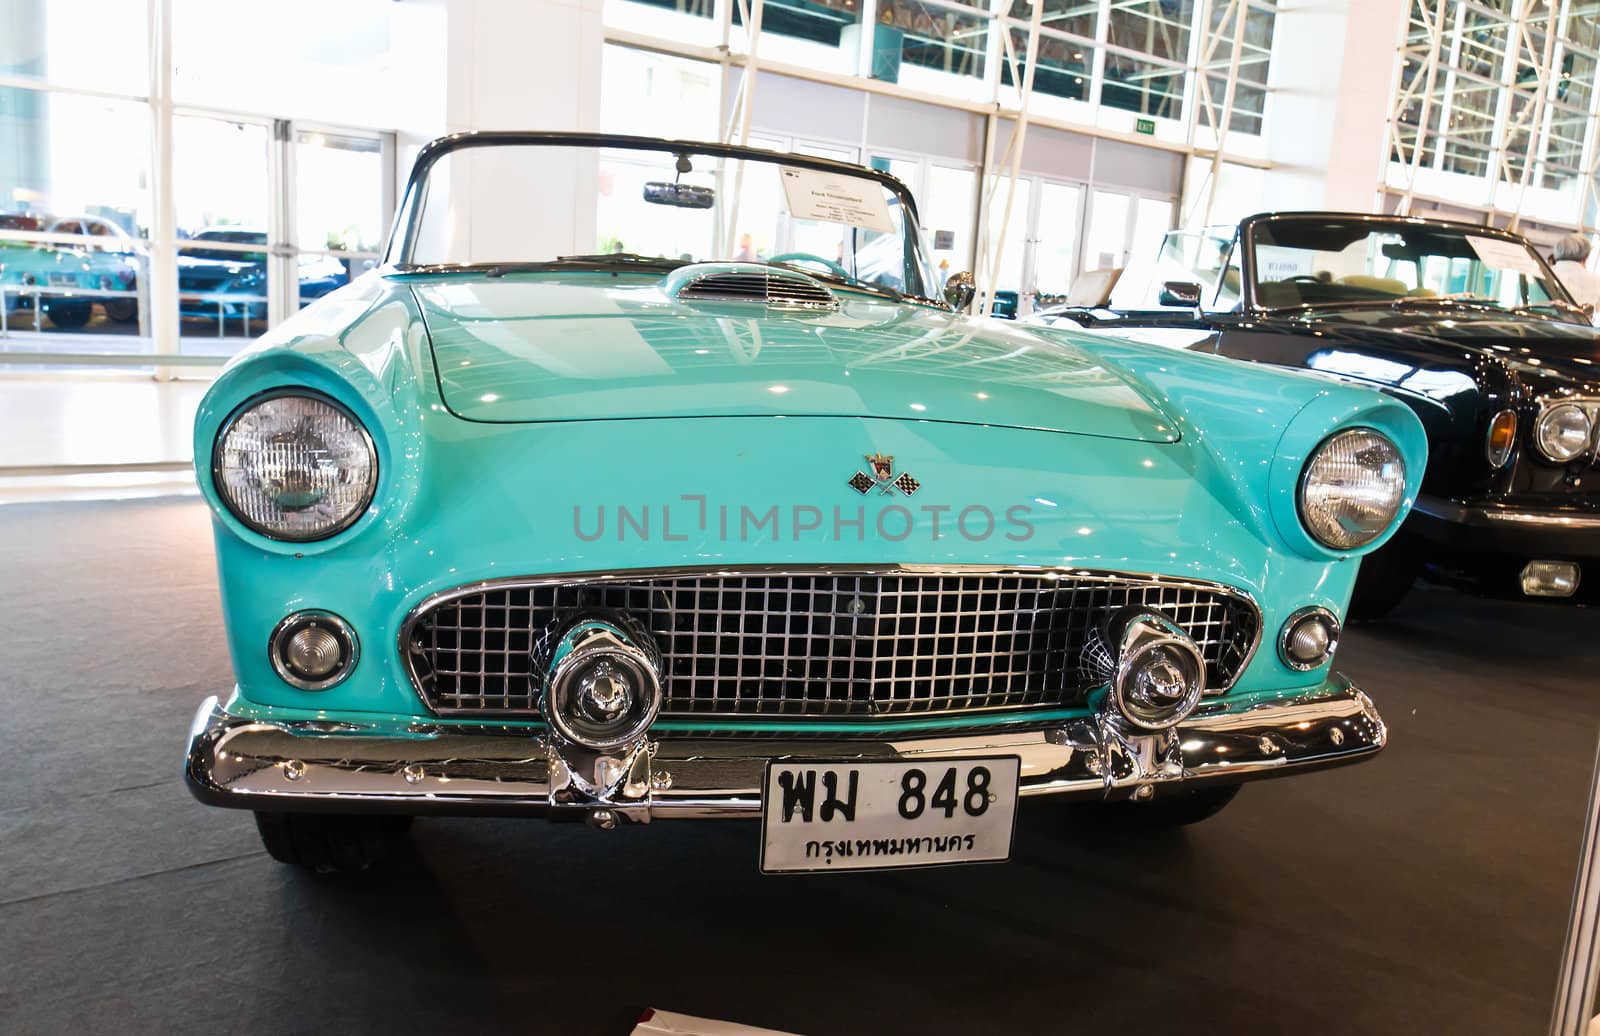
{"x": 63, "y": 280}
{"x": 825, "y": 816}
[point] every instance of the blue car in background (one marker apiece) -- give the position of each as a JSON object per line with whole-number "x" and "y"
{"x": 219, "y": 283}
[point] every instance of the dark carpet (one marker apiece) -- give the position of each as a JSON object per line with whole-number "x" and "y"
{"x": 1425, "y": 891}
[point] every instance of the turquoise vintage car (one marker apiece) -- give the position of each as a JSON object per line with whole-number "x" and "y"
{"x": 66, "y": 280}
{"x": 515, "y": 526}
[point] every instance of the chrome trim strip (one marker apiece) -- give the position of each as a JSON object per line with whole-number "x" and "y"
{"x": 438, "y": 598}
{"x": 1450, "y": 511}
{"x": 243, "y": 763}
{"x": 1565, "y": 521}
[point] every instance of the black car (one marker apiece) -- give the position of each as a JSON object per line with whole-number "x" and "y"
{"x": 1466, "y": 324}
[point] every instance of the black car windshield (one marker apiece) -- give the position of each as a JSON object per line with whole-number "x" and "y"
{"x": 1320, "y": 261}
{"x": 633, "y": 205}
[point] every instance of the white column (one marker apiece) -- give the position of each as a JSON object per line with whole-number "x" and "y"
{"x": 527, "y": 66}
{"x": 1333, "y": 67}
{"x": 162, "y": 290}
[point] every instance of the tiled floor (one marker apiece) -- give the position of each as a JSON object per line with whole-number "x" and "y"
{"x": 51, "y": 420}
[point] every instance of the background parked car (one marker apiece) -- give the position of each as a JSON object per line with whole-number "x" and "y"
{"x": 106, "y": 239}
{"x": 106, "y": 261}
{"x": 204, "y": 274}
{"x": 1468, "y": 326}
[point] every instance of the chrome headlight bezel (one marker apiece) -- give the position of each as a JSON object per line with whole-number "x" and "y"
{"x": 1319, "y": 531}
{"x": 363, "y": 440}
{"x": 1547, "y": 418}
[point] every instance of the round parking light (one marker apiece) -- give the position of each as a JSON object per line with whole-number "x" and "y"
{"x": 313, "y": 650}
{"x": 1309, "y": 639}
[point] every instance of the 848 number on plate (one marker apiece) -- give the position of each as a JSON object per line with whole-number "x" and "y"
{"x": 975, "y": 802}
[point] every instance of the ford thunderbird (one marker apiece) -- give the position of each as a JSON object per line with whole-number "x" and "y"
{"x": 652, "y": 480}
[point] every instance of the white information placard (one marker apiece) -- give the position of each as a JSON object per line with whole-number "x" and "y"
{"x": 833, "y": 198}
{"x": 1505, "y": 255}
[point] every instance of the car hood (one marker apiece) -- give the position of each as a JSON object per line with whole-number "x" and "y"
{"x": 1560, "y": 348}
{"x": 527, "y": 348}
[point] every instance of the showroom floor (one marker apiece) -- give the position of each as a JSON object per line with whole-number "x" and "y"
{"x": 1425, "y": 891}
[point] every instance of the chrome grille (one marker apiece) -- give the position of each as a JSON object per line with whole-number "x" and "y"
{"x": 776, "y": 290}
{"x": 821, "y": 643}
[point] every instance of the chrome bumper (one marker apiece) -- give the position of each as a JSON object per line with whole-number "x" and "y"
{"x": 251, "y": 764}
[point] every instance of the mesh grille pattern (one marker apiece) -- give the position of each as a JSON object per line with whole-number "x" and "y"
{"x": 769, "y": 289}
{"x": 825, "y": 644}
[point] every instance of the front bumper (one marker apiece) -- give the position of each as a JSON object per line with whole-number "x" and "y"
{"x": 340, "y": 767}
{"x": 1547, "y": 533}
{"x": 1483, "y": 548}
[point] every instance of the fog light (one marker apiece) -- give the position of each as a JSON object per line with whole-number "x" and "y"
{"x": 1308, "y": 640}
{"x": 1550, "y": 578}
{"x": 1160, "y": 673}
{"x": 313, "y": 650}
{"x": 602, "y": 680}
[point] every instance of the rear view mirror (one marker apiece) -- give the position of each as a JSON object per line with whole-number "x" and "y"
{"x": 959, "y": 291}
{"x": 1180, "y": 293}
{"x": 679, "y": 195}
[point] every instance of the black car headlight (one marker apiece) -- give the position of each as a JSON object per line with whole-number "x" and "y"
{"x": 1562, "y": 432}
{"x": 295, "y": 466}
{"x": 1352, "y": 488}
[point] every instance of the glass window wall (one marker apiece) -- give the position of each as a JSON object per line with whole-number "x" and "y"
{"x": 73, "y": 227}
{"x": 1512, "y": 98}
{"x": 269, "y": 214}
{"x": 1141, "y": 57}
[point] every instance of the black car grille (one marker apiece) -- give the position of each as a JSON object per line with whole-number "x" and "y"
{"x": 835, "y": 643}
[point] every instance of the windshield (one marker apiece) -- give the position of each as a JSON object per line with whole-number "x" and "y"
{"x": 1313, "y": 262}
{"x": 646, "y": 207}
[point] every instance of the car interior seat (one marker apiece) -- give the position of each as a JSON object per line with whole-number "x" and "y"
{"x": 1386, "y": 285}
{"x": 1093, "y": 287}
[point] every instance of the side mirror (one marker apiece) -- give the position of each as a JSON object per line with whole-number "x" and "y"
{"x": 1180, "y": 293}
{"x": 960, "y": 290}
{"x": 1588, "y": 311}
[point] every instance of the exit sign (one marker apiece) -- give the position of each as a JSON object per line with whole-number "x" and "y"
{"x": 1145, "y": 126}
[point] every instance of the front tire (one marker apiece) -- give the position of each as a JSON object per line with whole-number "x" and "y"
{"x": 69, "y": 315}
{"x": 1176, "y": 809}
{"x": 329, "y": 843}
{"x": 121, "y": 311}
{"x": 1385, "y": 577}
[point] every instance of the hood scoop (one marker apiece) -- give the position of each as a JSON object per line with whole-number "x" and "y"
{"x": 751, "y": 283}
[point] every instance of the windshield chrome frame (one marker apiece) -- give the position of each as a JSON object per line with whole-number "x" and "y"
{"x": 1245, "y": 240}
{"x": 402, "y": 235}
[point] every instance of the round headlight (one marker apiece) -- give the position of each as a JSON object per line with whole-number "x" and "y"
{"x": 1352, "y": 488}
{"x": 295, "y": 467}
{"x": 1562, "y": 433}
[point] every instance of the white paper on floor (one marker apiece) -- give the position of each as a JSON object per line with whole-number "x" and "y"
{"x": 668, "y": 1023}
